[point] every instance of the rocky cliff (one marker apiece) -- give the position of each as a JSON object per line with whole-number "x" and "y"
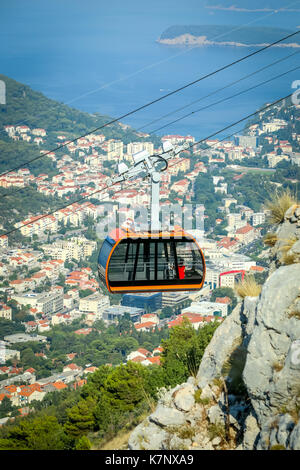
{"x": 246, "y": 394}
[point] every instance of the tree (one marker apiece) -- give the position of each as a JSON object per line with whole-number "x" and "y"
{"x": 41, "y": 433}
{"x": 83, "y": 443}
{"x": 5, "y": 407}
{"x": 183, "y": 351}
{"x": 124, "y": 385}
{"x": 61, "y": 279}
{"x": 166, "y": 312}
{"x": 81, "y": 418}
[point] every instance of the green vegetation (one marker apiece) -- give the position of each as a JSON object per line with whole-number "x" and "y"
{"x": 40, "y": 433}
{"x": 199, "y": 400}
{"x": 8, "y": 327}
{"x": 16, "y": 207}
{"x": 216, "y": 430}
{"x": 183, "y": 351}
{"x": 114, "y": 398}
{"x": 28, "y": 107}
{"x": 278, "y": 447}
{"x": 38, "y": 111}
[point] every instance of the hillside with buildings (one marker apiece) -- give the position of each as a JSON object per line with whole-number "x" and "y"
{"x": 58, "y": 325}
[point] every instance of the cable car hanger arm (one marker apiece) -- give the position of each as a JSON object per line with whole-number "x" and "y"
{"x": 145, "y": 164}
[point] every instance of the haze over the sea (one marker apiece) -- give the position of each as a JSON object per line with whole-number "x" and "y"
{"x": 104, "y": 57}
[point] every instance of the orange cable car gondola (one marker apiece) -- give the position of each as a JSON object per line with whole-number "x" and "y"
{"x": 151, "y": 262}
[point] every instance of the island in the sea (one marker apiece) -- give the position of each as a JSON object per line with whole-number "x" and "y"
{"x": 226, "y": 35}
{"x": 252, "y": 5}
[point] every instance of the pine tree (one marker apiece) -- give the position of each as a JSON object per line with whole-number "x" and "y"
{"x": 81, "y": 418}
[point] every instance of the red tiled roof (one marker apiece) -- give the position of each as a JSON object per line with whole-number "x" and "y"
{"x": 59, "y": 385}
{"x": 223, "y": 300}
{"x": 147, "y": 324}
{"x": 154, "y": 360}
{"x": 143, "y": 351}
{"x": 138, "y": 359}
{"x": 246, "y": 229}
{"x": 257, "y": 268}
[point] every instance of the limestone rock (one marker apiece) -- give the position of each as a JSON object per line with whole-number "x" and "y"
{"x": 216, "y": 441}
{"x": 164, "y": 416}
{"x": 294, "y": 443}
{"x": 267, "y": 374}
{"x": 262, "y": 413}
{"x": 184, "y": 398}
{"x": 215, "y": 415}
{"x": 220, "y": 347}
{"x": 147, "y": 436}
{"x": 175, "y": 443}
{"x": 250, "y": 432}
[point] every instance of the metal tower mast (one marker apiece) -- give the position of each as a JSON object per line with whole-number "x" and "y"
{"x": 145, "y": 165}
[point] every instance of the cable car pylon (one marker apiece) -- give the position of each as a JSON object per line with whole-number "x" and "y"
{"x": 153, "y": 260}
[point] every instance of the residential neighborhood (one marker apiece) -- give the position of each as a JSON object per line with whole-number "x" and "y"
{"x": 49, "y": 282}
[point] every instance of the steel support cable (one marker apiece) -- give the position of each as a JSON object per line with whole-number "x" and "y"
{"x": 210, "y": 74}
{"x": 161, "y": 155}
{"x": 201, "y": 109}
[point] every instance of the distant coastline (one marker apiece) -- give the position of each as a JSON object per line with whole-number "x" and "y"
{"x": 221, "y": 35}
{"x": 252, "y": 5}
{"x": 190, "y": 40}
{"x": 251, "y": 10}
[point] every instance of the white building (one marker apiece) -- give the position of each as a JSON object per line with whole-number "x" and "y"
{"x": 258, "y": 218}
{"x": 204, "y": 308}
{"x": 95, "y": 303}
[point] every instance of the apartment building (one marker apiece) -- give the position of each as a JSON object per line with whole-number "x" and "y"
{"x": 204, "y": 308}
{"x": 94, "y": 303}
{"x": 258, "y": 218}
{"x": 115, "y": 149}
{"x": 245, "y": 234}
{"x": 76, "y": 248}
{"x": 5, "y": 311}
{"x": 135, "y": 147}
{"x": 176, "y": 300}
{"x": 46, "y": 302}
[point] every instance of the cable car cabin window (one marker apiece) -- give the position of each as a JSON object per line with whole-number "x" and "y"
{"x": 122, "y": 261}
{"x": 151, "y": 262}
{"x": 190, "y": 262}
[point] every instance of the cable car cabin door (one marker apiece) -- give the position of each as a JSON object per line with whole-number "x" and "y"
{"x": 155, "y": 264}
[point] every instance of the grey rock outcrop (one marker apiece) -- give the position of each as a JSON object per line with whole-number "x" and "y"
{"x": 247, "y": 391}
{"x": 164, "y": 416}
{"x": 269, "y": 373}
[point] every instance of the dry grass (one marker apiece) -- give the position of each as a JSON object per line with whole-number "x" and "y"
{"x": 118, "y": 442}
{"x": 288, "y": 243}
{"x": 248, "y": 287}
{"x": 270, "y": 239}
{"x": 199, "y": 400}
{"x": 279, "y": 204}
{"x": 294, "y": 314}
{"x": 289, "y": 259}
{"x": 183, "y": 432}
{"x": 278, "y": 366}
{"x": 216, "y": 430}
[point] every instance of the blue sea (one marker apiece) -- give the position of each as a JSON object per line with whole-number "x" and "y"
{"x": 103, "y": 56}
